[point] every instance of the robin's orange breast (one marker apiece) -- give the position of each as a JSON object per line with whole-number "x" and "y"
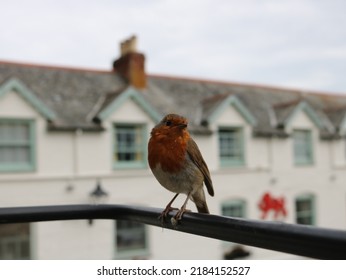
{"x": 169, "y": 153}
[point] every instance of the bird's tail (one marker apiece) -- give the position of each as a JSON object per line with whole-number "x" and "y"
{"x": 203, "y": 208}
{"x": 199, "y": 199}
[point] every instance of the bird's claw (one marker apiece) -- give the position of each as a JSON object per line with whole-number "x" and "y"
{"x": 164, "y": 213}
{"x": 175, "y": 220}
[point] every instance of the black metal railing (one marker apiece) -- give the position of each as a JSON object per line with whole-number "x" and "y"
{"x": 308, "y": 241}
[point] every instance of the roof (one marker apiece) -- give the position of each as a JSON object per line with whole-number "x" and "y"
{"x": 77, "y": 96}
{"x": 270, "y": 106}
{"x": 70, "y": 93}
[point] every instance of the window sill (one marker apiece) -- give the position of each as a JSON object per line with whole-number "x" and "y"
{"x": 304, "y": 164}
{"x": 24, "y": 168}
{"x": 239, "y": 170}
{"x": 232, "y": 164}
{"x": 129, "y": 165}
{"x": 132, "y": 254}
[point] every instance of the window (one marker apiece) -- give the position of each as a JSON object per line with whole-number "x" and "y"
{"x": 131, "y": 239}
{"x": 17, "y": 145}
{"x": 305, "y": 210}
{"x": 129, "y": 146}
{"x": 302, "y": 141}
{"x": 15, "y": 242}
{"x": 234, "y": 208}
{"x": 231, "y": 147}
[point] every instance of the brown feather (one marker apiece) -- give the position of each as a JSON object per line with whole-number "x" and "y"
{"x": 199, "y": 199}
{"x": 203, "y": 209}
{"x": 198, "y": 160}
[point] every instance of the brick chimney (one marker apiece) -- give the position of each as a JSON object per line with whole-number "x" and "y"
{"x": 130, "y": 64}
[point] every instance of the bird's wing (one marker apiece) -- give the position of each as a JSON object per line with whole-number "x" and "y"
{"x": 197, "y": 159}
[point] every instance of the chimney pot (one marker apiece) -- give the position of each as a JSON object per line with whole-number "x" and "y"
{"x": 128, "y": 46}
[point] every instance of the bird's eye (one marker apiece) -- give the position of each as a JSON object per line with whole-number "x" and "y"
{"x": 168, "y": 123}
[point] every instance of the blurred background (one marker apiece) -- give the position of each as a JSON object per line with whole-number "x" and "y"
{"x": 284, "y": 43}
{"x": 82, "y": 83}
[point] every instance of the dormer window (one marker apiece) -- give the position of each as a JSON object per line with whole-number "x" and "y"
{"x": 302, "y": 146}
{"x": 129, "y": 146}
{"x": 231, "y": 146}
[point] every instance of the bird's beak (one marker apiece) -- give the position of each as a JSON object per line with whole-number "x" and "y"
{"x": 183, "y": 125}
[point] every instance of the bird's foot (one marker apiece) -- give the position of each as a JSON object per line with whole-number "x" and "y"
{"x": 164, "y": 213}
{"x": 177, "y": 217}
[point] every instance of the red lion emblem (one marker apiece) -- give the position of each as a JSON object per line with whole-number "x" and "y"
{"x": 269, "y": 203}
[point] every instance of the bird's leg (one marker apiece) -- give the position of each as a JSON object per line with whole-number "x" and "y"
{"x": 168, "y": 208}
{"x": 180, "y": 213}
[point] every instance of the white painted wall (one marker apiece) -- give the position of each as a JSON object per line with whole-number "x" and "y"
{"x": 79, "y": 159}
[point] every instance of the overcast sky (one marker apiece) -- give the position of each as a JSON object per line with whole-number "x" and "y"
{"x": 291, "y": 43}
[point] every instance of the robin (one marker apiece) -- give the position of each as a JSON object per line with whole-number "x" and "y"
{"x": 178, "y": 165}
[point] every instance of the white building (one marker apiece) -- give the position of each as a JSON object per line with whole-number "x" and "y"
{"x": 270, "y": 150}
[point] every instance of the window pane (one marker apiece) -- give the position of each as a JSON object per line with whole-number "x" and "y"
{"x": 302, "y": 146}
{"x": 130, "y": 236}
{"x": 25, "y": 249}
{"x": 15, "y": 241}
{"x": 305, "y": 210}
{"x": 129, "y": 143}
{"x": 11, "y": 131}
{"x": 234, "y": 209}
{"x": 21, "y": 132}
{"x": 231, "y": 146}
{"x": 13, "y": 155}
{"x": 10, "y": 250}
{"x": 304, "y": 220}
{"x": 5, "y": 132}
{"x": 15, "y": 143}
{"x": 304, "y": 205}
